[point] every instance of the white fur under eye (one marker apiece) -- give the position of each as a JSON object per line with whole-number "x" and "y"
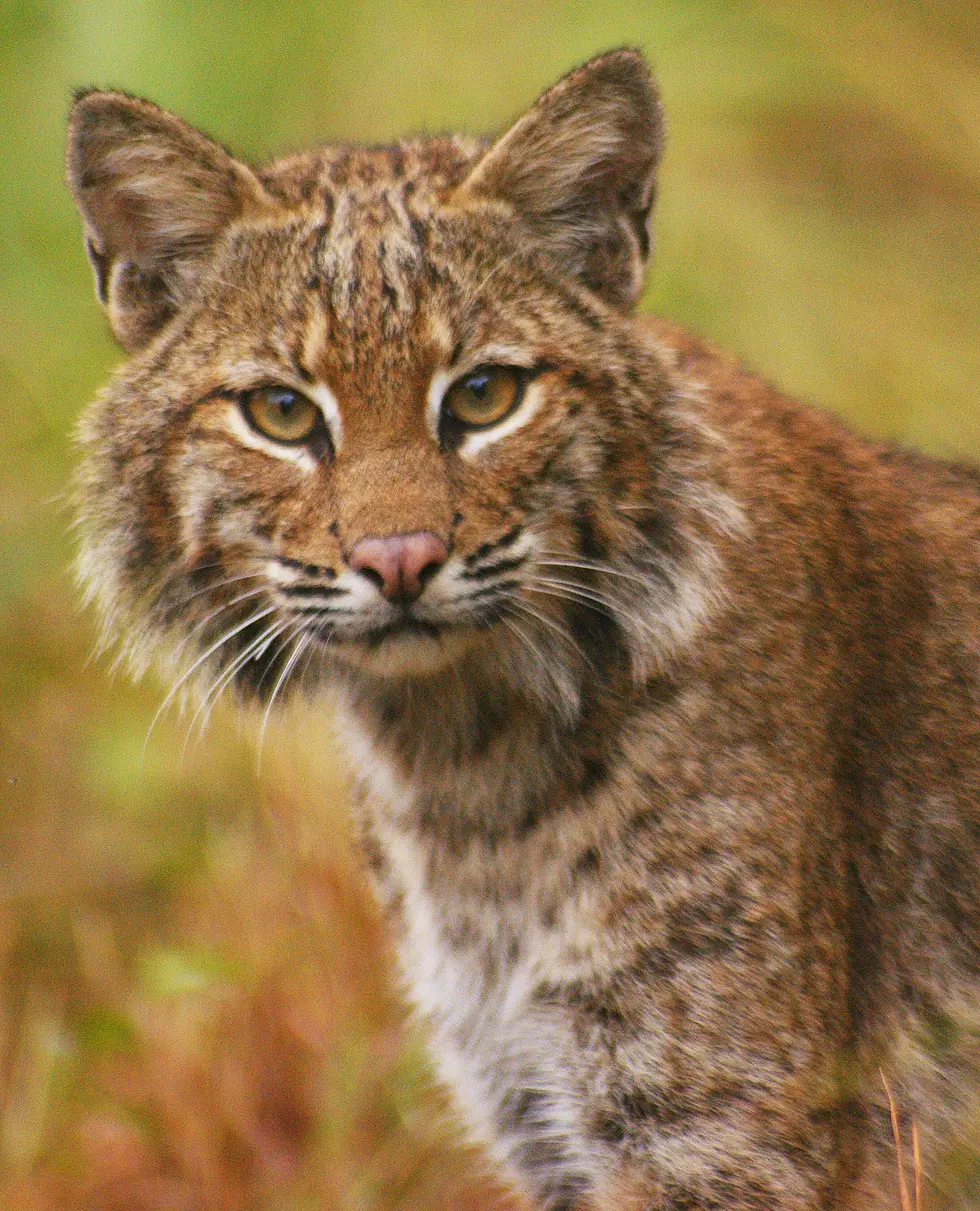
{"x": 324, "y": 399}
{"x": 442, "y": 380}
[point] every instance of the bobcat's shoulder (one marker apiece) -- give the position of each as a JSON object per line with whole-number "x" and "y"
{"x": 661, "y": 688}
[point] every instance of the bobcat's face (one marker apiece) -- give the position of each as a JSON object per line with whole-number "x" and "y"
{"x": 384, "y": 407}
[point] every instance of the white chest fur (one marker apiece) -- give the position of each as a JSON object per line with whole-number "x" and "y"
{"x": 508, "y": 1056}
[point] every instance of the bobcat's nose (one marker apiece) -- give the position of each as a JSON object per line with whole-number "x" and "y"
{"x": 401, "y": 564}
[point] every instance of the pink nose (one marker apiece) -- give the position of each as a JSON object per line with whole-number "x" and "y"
{"x": 401, "y": 564}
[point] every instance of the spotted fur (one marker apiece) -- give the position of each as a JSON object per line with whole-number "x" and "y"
{"x": 669, "y": 777}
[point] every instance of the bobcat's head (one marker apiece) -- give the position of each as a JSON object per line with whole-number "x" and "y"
{"x": 385, "y": 409}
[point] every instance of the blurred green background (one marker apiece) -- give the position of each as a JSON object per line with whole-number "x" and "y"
{"x": 196, "y": 1010}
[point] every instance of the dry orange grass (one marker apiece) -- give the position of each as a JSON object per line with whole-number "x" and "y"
{"x": 907, "y": 1201}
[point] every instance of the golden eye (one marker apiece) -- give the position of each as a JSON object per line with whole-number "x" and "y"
{"x": 484, "y": 396}
{"x": 279, "y": 413}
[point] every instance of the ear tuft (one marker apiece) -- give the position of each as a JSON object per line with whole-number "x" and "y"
{"x": 580, "y": 169}
{"x": 154, "y": 195}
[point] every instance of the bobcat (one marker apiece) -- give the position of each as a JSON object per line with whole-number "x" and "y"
{"x": 662, "y": 690}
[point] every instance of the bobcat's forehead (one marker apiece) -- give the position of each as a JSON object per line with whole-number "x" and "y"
{"x": 363, "y": 285}
{"x": 370, "y": 211}
{"x": 420, "y": 166}
{"x": 371, "y": 258}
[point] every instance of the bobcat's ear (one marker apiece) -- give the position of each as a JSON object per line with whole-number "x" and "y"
{"x": 580, "y": 168}
{"x": 154, "y": 195}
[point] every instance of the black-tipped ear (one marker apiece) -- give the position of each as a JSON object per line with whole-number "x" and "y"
{"x": 154, "y": 195}
{"x": 580, "y": 168}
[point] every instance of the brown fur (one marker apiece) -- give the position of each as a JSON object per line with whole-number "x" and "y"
{"x": 670, "y": 778}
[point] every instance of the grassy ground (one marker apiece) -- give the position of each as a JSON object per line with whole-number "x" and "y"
{"x": 196, "y": 1007}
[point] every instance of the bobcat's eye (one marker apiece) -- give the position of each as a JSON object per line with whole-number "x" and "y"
{"x": 484, "y": 396}
{"x": 279, "y": 413}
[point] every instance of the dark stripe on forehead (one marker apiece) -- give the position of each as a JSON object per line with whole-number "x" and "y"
{"x": 371, "y": 260}
{"x": 321, "y": 237}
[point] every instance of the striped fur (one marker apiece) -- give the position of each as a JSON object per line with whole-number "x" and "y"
{"x": 669, "y": 779}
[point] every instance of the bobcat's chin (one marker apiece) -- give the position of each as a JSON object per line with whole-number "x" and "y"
{"x": 401, "y": 654}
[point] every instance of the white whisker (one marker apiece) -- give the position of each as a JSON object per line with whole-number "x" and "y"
{"x": 299, "y": 646}
{"x": 566, "y": 639}
{"x": 252, "y": 651}
{"x": 604, "y": 569}
{"x": 572, "y": 589}
{"x": 499, "y": 265}
{"x": 235, "y": 630}
{"x": 200, "y": 626}
{"x": 220, "y": 584}
{"x": 515, "y": 628}
{"x": 594, "y": 599}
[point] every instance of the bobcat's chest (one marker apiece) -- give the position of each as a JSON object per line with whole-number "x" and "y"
{"x": 479, "y": 957}
{"x": 507, "y": 1052}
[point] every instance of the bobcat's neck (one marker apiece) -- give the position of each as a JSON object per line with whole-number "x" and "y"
{"x": 482, "y": 752}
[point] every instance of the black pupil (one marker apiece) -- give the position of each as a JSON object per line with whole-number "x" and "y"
{"x": 478, "y": 384}
{"x": 284, "y": 401}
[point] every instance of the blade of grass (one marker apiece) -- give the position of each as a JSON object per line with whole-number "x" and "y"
{"x": 903, "y": 1190}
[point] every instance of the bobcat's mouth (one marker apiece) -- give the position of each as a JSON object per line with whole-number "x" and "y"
{"x": 405, "y": 648}
{"x": 346, "y": 615}
{"x": 404, "y": 628}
